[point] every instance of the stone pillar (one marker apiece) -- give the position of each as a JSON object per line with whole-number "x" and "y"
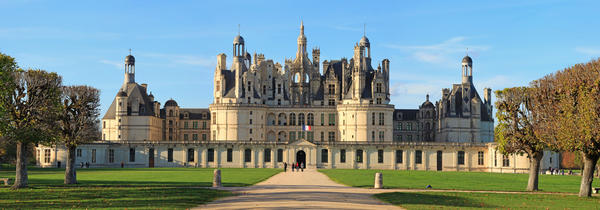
{"x": 413, "y": 155}
{"x": 217, "y": 178}
{"x": 455, "y": 159}
{"x": 378, "y": 180}
{"x": 273, "y": 158}
{"x": 393, "y": 159}
{"x": 425, "y": 160}
{"x": 468, "y": 160}
{"x": 197, "y": 157}
{"x": 217, "y": 157}
{"x": 366, "y": 158}
{"x": 261, "y": 158}
{"x": 205, "y": 157}
{"x": 352, "y": 156}
{"x": 253, "y": 157}
{"x": 330, "y": 157}
{"x": 242, "y": 163}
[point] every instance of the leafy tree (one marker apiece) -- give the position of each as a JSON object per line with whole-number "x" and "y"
{"x": 569, "y": 108}
{"x": 515, "y": 132}
{"x": 78, "y": 122}
{"x": 29, "y": 104}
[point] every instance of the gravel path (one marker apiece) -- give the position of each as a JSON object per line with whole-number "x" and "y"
{"x": 299, "y": 190}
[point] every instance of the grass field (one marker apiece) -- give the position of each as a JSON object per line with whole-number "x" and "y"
{"x": 453, "y": 180}
{"x": 463, "y": 200}
{"x": 125, "y": 188}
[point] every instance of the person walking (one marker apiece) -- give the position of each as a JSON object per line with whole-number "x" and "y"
{"x": 284, "y": 167}
{"x": 293, "y": 166}
{"x": 302, "y": 166}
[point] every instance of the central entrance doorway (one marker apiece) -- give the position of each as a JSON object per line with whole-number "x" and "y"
{"x": 439, "y": 160}
{"x": 301, "y": 158}
{"x": 151, "y": 158}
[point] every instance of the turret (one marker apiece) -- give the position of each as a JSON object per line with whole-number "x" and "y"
{"x": 301, "y": 42}
{"x": 467, "y": 70}
{"x": 239, "y": 52}
{"x": 129, "y": 69}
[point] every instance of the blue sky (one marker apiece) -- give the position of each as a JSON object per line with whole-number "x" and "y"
{"x": 175, "y": 44}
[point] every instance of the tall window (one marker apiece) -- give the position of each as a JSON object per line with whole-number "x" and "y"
{"x": 495, "y": 159}
{"x": 373, "y": 118}
{"x": 78, "y": 152}
{"x": 380, "y": 156}
{"x": 378, "y": 88}
{"x": 229, "y": 155}
{"x": 480, "y": 158}
{"x": 93, "y": 155}
{"x": 331, "y": 136}
{"x": 210, "y": 157}
{"x": 359, "y": 156}
{"x": 47, "y": 155}
{"x": 195, "y": 124}
{"x": 399, "y": 156}
{"x": 505, "y": 161}
{"x": 461, "y": 157}
{"x": 170, "y": 155}
{"x": 267, "y": 155}
{"x": 185, "y": 137}
{"x": 310, "y": 136}
{"x": 322, "y": 136}
{"x": 342, "y": 156}
{"x": 131, "y": 154}
{"x": 381, "y": 135}
{"x": 247, "y": 155}
{"x": 310, "y": 119}
{"x": 331, "y": 89}
{"x": 204, "y": 137}
{"x": 195, "y": 136}
{"x": 292, "y": 119}
{"x": 324, "y": 155}
{"x": 418, "y": 157}
{"x": 203, "y": 124}
{"x": 190, "y": 155}
{"x": 408, "y": 126}
{"x": 185, "y": 124}
{"x": 301, "y": 119}
{"x": 292, "y": 135}
{"x": 331, "y": 102}
{"x": 332, "y": 119}
{"x": 378, "y": 100}
{"x": 322, "y": 119}
{"x": 279, "y": 155}
{"x": 111, "y": 155}
{"x": 278, "y": 88}
{"x": 214, "y": 118}
{"x": 381, "y": 118}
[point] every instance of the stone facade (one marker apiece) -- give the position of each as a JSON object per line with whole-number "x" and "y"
{"x": 329, "y": 114}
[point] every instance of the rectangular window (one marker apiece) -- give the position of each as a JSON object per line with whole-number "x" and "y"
{"x": 47, "y": 156}
{"x": 505, "y": 161}
{"x": 409, "y": 137}
{"x": 331, "y": 102}
{"x": 195, "y": 124}
{"x": 322, "y": 136}
{"x": 381, "y": 118}
{"x": 495, "y": 159}
{"x": 292, "y": 135}
{"x": 418, "y": 157}
{"x": 247, "y": 155}
{"x": 214, "y": 118}
{"x": 280, "y": 155}
{"x": 359, "y": 156}
{"x": 324, "y": 155}
{"x": 322, "y": 119}
{"x": 331, "y": 89}
{"x": 203, "y": 124}
{"x": 373, "y": 118}
{"x": 380, "y": 156}
{"x": 331, "y": 136}
{"x": 408, "y": 126}
{"x": 211, "y": 155}
{"x": 278, "y": 88}
{"x": 461, "y": 157}
{"x": 267, "y": 155}
{"x": 78, "y": 152}
{"x": 399, "y": 156}
{"x": 480, "y": 158}
{"x": 204, "y": 137}
{"x": 310, "y": 136}
{"x": 250, "y": 121}
{"x": 185, "y": 124}
{"x": 342, "y": 156}
{"x": 190, "y": 155}
{"x": 195, "y": 136}
{"x": 250, "y": 131}
{"x": 229, "y": 155}
{"x": 93, "y": 155}
{"x": 332, "y": 119}
{"x": 381, "y": 135}
{"x": 111, "y": 155}
{"x": 185, "y": 137}
{"x": 170, "y": 155}
{"x": 131, "y": 154}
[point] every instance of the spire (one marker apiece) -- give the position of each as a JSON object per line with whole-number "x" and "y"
{"x": 129, "y": 51}
{"x": 239, "y": 29}
{"x": 301, "y": 27}
{"x": 364, "y": 29}
{"x": 427, "y": 97}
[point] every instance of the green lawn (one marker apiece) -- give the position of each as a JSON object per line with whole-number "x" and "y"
{"x": 453, "y": 180}
{"x": 462, "y": 200}
{"x": 125, "y": 188}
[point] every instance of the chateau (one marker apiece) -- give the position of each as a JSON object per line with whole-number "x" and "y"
{"x": 324, "y": 114}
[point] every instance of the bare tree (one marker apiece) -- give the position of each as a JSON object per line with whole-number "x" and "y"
{"x": 29, "y": 104}
{"x": 515, "y": 132}
{"x": 78, "y": 122}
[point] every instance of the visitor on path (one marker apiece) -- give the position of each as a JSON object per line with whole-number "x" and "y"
{"x": 297, "y": 166}
{"x": 293, "y": 166}
{"x": 302, "y": 166}
{"x": 81, "y": 164}
{"x": 284, "y": 166}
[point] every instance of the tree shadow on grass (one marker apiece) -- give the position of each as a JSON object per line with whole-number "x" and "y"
{"x": 433, "y": 200}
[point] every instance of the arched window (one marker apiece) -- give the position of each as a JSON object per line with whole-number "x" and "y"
{"x": 427, "y": 126}
{"x": 301, "y": 119}
{"x": 292, "y": 119}
{"x": 306, "y": 78}
{"x": 427, "y": 115}
{"x": 296, "y": 78}
{"x": 310, "y": 119}
{"x": 170, "y": 113}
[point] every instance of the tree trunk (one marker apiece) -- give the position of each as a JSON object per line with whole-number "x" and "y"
{"x": 589, "y": 164}
{"x": 534, "y": 170}
{"x": 70, "y": 177}
{"x": 21, "y": 180}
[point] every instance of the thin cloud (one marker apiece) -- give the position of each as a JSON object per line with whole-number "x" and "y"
{"x": 588, "y": 51}
{"x": 117, "y": 65}
{"x": 442, "y": 53}
{"x": 194, "y": 60}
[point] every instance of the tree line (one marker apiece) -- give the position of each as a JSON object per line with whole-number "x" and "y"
{"x": 560, "y": 112}
{"x": 36, "y": 108}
